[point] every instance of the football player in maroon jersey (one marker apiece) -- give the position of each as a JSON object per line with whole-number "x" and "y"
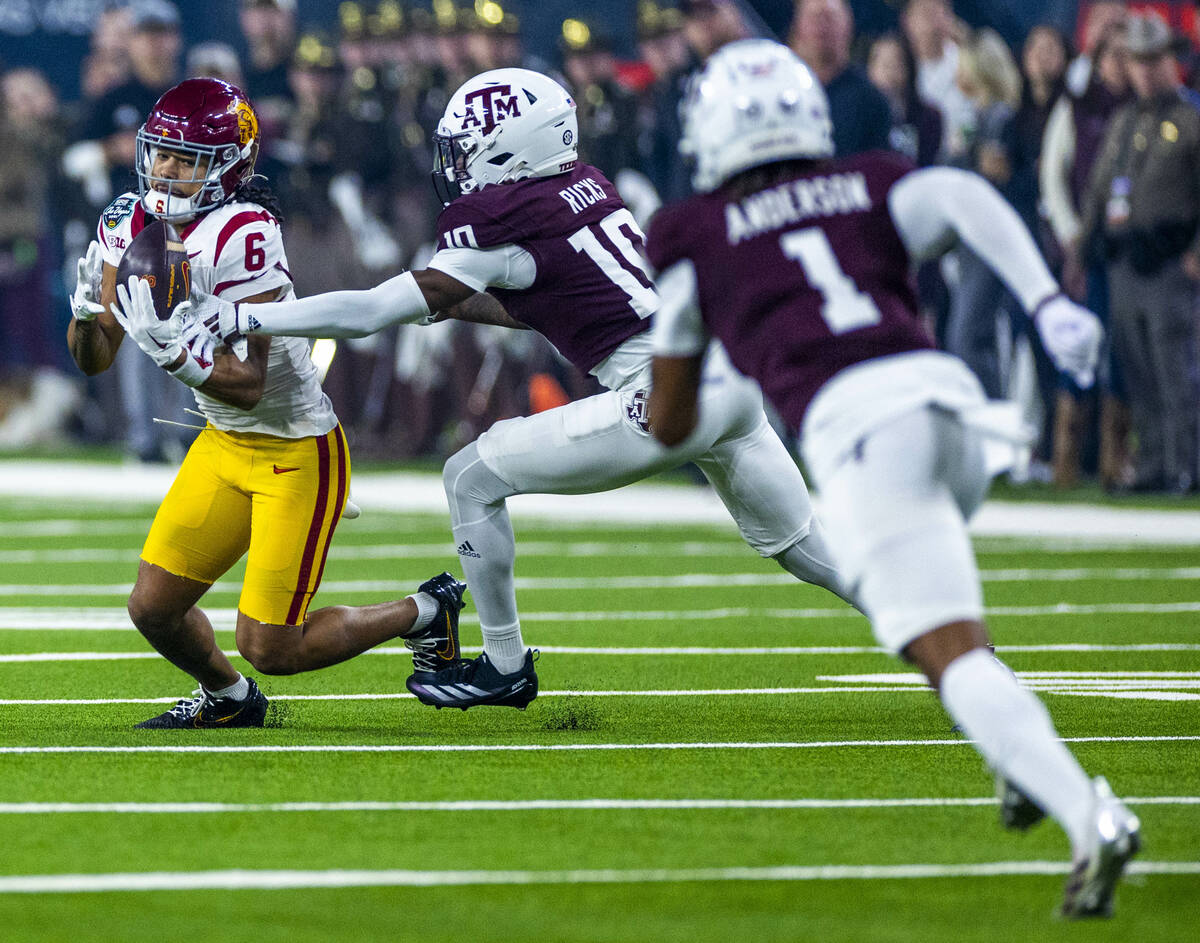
{"x": 799, "y": 264}
{"x": 532, "y": 238}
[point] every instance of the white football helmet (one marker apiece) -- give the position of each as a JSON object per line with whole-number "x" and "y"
{"x": 755, "y": 102}
{"x": 501, "y": 126}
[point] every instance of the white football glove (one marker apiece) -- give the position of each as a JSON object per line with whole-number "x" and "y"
{"x": 182, "y": 333}
{"x": 223, "y": 318}
{"x": 85, "y": 302}
{"x": 1071, "y": 335}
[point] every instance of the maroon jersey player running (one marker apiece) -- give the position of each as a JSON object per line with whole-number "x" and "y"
{"x": 800, "y": 265}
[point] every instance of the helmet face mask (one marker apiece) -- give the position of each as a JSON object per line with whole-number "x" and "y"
{"x": 502, "y": 126}
{"x": 212, "y": 123}
{"x": 450, "y": 177}
{"x": 755, "y": 103}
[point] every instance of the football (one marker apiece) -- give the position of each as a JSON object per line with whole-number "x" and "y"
{"x": 158, "y": 255}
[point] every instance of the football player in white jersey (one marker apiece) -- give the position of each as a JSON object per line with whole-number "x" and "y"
{"x": 799, "y": 263}
{"x": 269, "y": 474}
{"x": 527, "y": 225}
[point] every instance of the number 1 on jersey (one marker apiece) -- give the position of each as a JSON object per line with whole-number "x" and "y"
{"x": 843, "y": 306}
{"x": 642, "y": 298}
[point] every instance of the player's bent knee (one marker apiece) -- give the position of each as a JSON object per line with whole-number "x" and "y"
{"x": 150, "y": 614}
{"x": 268, "y": 656}
{"x": 467, "y": 478}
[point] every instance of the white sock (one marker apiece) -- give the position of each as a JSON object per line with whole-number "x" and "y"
{"x": 1013, "y": 731}
{"x": 239, "y": 690}
{"x": 505, "y": 648}
{"x": 427, "y": 608}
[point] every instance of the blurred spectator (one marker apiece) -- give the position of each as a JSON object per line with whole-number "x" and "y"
{"x": 916, "y": 130}
{"x": 107, "y": 63}
{"x": 154, "y": 52}
{"x": 215, "y": 61}
{"x": 916, "y": 133}
{"x": 935, "y": 36}
{"x": 1143, "y": 205}
{"x": 36, "y": 398}
{"x": 1074, "y": 134}
{"x": 1044, "y": 58}
{"x": 988, "y": 78}
{"x": 663, "y": 44}
{"x": 821, "y": 34}
{"x": 269, "y": 29}
{"x": 490, "y": 33}
{"x": 1099, "y": 19}
{"x": 606, "y": 110}
{"x": 154, "y": 47}
{"x": 710, "y": 24}
{"x": 31, "y": 139}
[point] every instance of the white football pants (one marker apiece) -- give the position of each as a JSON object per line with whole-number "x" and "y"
{"x": 600, "y": 443}
{"x": 895, "y": 509}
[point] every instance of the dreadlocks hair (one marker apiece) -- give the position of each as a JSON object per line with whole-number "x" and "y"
{"x": 256, "y": 190}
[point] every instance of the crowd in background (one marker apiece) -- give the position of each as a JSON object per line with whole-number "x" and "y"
{"x": 1096, "y": 147}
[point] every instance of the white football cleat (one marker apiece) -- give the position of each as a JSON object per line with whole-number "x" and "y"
{"x": 1114, "y": 839}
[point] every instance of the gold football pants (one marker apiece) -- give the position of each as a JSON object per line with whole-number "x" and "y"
{"x": 279, "y": 499}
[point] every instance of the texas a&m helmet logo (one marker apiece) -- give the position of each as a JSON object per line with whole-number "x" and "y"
{"x": 489, "y": 105}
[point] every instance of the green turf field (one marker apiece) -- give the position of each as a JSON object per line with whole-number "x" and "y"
{"x": 719, "y": 753}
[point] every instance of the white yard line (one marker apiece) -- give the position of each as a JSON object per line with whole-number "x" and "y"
{"x": 544, "y": 747}
{"x": 433, "y": 551}
{"x": 886, "y": 677}
{"x": 284, "y": 880}
{"x": 640, "y": 504}
{"x": 403, "y": 696}
{"x": 110, "y": 618}
{"x": 521, "y": 805}
{"x": 678, "y": 581}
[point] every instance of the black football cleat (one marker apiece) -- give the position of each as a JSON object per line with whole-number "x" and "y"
{"x": 1115, "y": 838}
{"x": 202, "y": 711}
{"x": 435, "y": 647}
{"x": 1017, "y": 811}
{"x": 477, "y": 683}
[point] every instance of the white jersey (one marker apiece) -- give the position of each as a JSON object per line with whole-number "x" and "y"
{"x": 236, "y": 251}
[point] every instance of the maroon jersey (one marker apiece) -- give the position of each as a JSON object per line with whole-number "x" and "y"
{"x": 592, "y": 291}
{"x": 801, "y": 279}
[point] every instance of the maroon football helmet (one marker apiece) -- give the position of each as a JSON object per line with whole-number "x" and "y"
{"x": 213, "y": 122}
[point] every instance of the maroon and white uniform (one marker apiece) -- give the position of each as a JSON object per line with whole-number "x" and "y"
{"x": 807, "y": 283}
{"x": 564, "y": 255}
{"x": 574, "y": 252}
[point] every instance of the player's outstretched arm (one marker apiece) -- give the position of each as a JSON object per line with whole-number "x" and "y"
{"x": 404, "y": 299}
{"x": 480, "y": 308}
{"x": 938, "y": 206}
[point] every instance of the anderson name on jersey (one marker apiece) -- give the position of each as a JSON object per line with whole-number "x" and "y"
{"x": 802, "y": 278}
{"x": 236, "y": 252}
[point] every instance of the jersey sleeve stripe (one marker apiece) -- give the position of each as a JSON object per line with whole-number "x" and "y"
{"x": 302, "y": 593}
{"x": 222, "y": 286}
{"x": 236, "y": 222}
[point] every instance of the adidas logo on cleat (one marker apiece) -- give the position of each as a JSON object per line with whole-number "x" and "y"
{"x": 466, "y": 550}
